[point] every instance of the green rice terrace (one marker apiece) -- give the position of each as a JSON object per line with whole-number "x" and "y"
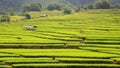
{"x": 88, "y": 39}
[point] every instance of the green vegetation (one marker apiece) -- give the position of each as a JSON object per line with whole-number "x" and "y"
{"x": 49, "y": 13}
{"x": 17, "y": 4}
{"x": 65, "y": 65}
{"x": 103, "y": 4}
{"x": 67, "y": 11}
{"x": 27, "y": 16}
{"x": 32, "y": 7}
{"x": 84, "y": 39}
{"x": 54, "y": 6}
{"x": 5, "y": 18}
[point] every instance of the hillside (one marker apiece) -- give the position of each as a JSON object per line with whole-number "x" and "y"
{"x": 16, "y": 4}
{"x": 44, "y": 2}
{"x": 80, "y": 2}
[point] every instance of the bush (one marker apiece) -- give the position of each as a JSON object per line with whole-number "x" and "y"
{"x": 27, "y": 16}
{"x": 67, "y": 11}
{"x": 5, "y": 18}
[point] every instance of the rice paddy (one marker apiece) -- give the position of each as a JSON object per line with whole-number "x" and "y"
{"x": 83, "y": 39}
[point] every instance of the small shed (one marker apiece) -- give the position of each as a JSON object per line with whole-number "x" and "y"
{"x": 43, "y": 15}
{"x": 30, "y": 27}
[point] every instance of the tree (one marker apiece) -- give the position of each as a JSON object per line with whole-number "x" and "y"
{"x": 27, "y": 16}
{"x": 67, "y": 11}
{"x": 103, "y": 4}
{"x": 35, "y": 7}
{"x": 32, "y": 7}
{"x": 54, "y": 6}
{"x": 5, "y": 18}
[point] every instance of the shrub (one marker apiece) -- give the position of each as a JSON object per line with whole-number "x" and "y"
{"x": 27, "y": 16}
{"x": 67, "y": 11}
{"x": 5, "y": 18}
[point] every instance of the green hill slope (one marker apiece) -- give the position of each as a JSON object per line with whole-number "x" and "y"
{"x": 44, "y": 2}
{"x": 16, "y": 4}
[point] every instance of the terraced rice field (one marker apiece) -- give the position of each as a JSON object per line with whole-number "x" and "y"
{"x": 85, "y": 39}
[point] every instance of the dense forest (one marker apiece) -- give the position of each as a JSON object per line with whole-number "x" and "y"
{"x": 17, "y": 4}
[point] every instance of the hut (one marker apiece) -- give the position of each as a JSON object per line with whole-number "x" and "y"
{"x": 30, "y": 27}
{"x": 43, "y": 15}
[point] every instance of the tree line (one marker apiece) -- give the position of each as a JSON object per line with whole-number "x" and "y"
{"x": 98, "y": 4}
